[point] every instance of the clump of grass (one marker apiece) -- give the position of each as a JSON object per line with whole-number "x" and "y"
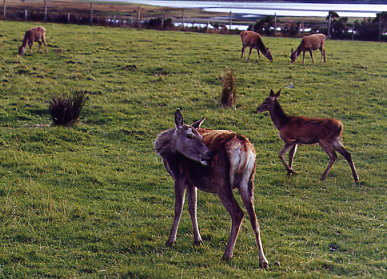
{"x": 66, "y": 110}
{"x": 228, "y": 96}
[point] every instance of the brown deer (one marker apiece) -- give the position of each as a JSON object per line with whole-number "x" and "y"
{"x": 36, "y": 34}
{"x": 309, "y": 43}
{"x": 294, "y": 130}
{"x": 254, "y": 40}
{"x": 215, "y": 161}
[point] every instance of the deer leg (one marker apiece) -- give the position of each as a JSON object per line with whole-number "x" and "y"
{"x": 348, "y": 157}
{"x": 247, "y": 194}
{"x": 40, "y": 45}
{"x": 303, "y": 57}
{"x": 192, "y": 206}
{"x": 248, "y": 58}
{"x": 292, "y": 153}
{"x": 332, "y": 158}
{"x": 228, "y": 200}
{"x": 311, "y": 55}
{"x": 259, "y": 56}
{"x": 243, "y": 51}
{"x": 30, "y": 45}
{"x": 179, "y": 203}
{"x": 285, "y": 149}
{"x": 323, "y": 55}
{"x": 45, "y": 44}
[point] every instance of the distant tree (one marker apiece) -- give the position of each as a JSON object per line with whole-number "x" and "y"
{"x": 332, "y": 15}
{"x": 367, "y": 30}
{"x": 265, "y": 26}
{"x": 339, "y": 28}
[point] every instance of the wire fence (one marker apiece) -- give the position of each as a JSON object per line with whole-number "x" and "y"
{"x": 125, "y": 15}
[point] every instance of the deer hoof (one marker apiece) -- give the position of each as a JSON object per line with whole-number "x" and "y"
{"x": 170, "y": 243}
{"x": 226, "y": 258}
{"x": 291, "y": 171}
{"x": 198, "y": 242}
{"x": 264, "y": 265}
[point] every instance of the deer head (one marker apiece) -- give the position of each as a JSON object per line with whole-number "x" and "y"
{"x": 22, "y": 50}
{"x": 268, "y": 55}
{"x": 268, "y": 103}
{"x": 189, "y": 142}
{"x": 293, "y": 55}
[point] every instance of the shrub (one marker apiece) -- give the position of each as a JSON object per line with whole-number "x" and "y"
{"x": 228, "y": 96}
{"x": 66, "y": 110}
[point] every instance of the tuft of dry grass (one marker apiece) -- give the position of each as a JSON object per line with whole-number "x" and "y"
{"x": 66, "y": 110}
{"x": 228, "y": 96}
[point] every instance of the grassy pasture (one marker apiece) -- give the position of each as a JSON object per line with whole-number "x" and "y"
{"x": 94, "y": 201}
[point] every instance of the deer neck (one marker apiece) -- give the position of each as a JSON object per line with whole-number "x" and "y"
{"x": 262, "y": 48}
{"x": 278, "y": 116}
{"x": 25, "y": 42}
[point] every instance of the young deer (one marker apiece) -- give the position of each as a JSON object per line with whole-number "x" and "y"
{"x": 36, "y": 34}
{"x": 215, "y": 161}
{"x": 309, "y": 43}
{"x": 294, "y": 130}
{"x": 254, "y": 40}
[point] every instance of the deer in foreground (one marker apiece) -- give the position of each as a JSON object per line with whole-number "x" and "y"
{"x": 294, "y": 130}
{"x": 254, "y": 40}
{"x": 36, "y": 34}
{"x": 214, "y": 161}
{"x": 309, "y": 43}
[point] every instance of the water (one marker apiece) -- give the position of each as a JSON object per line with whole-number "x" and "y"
{"x": 253, "y": 9}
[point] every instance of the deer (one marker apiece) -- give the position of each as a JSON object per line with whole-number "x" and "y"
{"x": 254, "y": 40}
{"x": 214, "y": 161}
{"x": 309, "y": 43}
{"x": 35, "y": 34}
{"x": 295, "y": 130}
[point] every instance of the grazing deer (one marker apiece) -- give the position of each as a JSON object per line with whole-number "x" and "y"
{"x": 36, "y": 34}
{"x": 309, "y": 43}
{"x": 294, "y": 130}
{"x": 215, "y": 161}
{"x": 254, "y": 40}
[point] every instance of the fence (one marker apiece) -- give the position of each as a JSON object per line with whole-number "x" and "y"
{"x": 126, "y": 15}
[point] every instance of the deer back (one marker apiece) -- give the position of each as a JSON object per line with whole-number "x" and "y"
{"x": 308, "y": 130}
{"x": 313, "y": 42}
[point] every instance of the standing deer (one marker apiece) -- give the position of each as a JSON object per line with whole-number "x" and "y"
{"x": 215, "y": 161}
{"x": 36, "y": 34}
{"x": 254, "y": 40}
{"x": 294, "y": 130}
{"x": 309, "y": 43}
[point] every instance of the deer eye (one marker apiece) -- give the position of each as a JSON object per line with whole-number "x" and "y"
{"x": 189, "y": 136}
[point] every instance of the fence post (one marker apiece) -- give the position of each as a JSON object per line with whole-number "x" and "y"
{"x": 230, "y": 22}
{"x": 45, "y": 10}
{"x": 275, "y": 23}
{"x": 380, "y": 28}
{"x": 4, "y": 9}
{"x": 182, "y": 18}
{"x": 68, "y": 17}
{"x": 138, "y": 14}
{"x": 329, "y": 26}
{"x": 91, "y": 13}
{"x": 25, "y": 14}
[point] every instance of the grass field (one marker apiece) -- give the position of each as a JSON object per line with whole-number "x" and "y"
{"x": 94, "y": 201}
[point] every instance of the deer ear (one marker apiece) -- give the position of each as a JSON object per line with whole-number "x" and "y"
{"x": 179, "y": 121}
{"x": 197, "y": 124}
{"x": 278, "y": 93}
{"x": 272, "y": 93}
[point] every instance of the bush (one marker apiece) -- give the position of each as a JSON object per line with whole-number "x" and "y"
{"x": 228, "y": 96}
{"x": 66, "y": 110}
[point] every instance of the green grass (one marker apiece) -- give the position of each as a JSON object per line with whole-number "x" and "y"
{"x": 94, "y": 201}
